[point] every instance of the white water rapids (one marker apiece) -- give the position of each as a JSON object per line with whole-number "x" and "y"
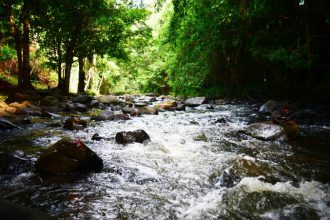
{"x": 177, "y": 174}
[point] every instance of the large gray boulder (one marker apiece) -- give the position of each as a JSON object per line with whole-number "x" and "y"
{"x": 110, "y": 100}
{"x": 196, "y": 101}
{"x": 267, "y": 131}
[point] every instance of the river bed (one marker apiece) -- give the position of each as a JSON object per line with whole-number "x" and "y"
{"x": 192, "y": 168}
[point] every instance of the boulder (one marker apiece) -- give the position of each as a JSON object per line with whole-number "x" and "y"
{"x": 128, "y": 98}
{"x": 126, "y": 137}
{"x": 80, "y": 107}
{"x": 148, "y": 110}
{"x": 94, "y": 103}
{"x": 74, "y": 123}
{"x": 103, "y": 116}
{"x": 68, "y": 156}
{"x": 196, "y": 101}
{"x": 20, "y": 107}
{"x": 11, "y": 211}
{"x": 4, "y": 124}
{"x": 167, "y": 105}
{"x": 132, "y": 111}
{"x": 269, "y": 107}
{"x": 109, "y": 99}
{"x": 267, "y": 131}
{"x": 180, "y": 107}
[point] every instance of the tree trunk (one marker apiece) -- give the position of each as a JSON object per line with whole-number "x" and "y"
{"x": 81, "y": 84}
{"x": 26, "y": 50}
{"x": 18, "y": 47}
{"x": 59, "y": 66}
{"x": 68, "y": 66}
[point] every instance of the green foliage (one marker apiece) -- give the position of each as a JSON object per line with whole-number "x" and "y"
{"x": 7, "y": 53}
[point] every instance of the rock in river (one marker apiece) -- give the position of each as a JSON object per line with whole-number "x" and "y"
{"x": 68, "y": 156}
{"x": 74, "y": 123}
{"x": 268, "y": 107}
{"x": 196, "y": 101}
{"x": 266, "y": 131}
{"x": 109, "y": 99}
{"x": 126, "y": 137}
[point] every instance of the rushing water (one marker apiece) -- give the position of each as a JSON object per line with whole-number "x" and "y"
{"x": 181, "y": 173}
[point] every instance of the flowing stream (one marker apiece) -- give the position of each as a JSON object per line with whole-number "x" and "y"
{"x": 193, "y": 168}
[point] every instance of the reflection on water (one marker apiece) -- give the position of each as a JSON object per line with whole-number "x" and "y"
{"x": 177, "y": 174}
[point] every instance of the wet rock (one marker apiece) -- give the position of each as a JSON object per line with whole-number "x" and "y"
{"x": 94, "y": 103}
{"x": 14, "y": 164}
{"x": 4, "y": 124}
{"x": 74, "y": 123}
{"x": 97, "y": 137}
{"x": 68, "y": 156}
{"x": 13, "y": 211}
{"x": 227, "y": 179}
{"x": 105, "y": 115}
{"x": 220, "y": 121}
{"x": 119, "y": 117}
{"x": 109, "y": 99}
{"x": 266, "y": 131}
{"x": 126, "y": 137}
{"x": 180, "y": 107}
{"x": 132, "y": 111}
{"x": 148, "y": 110}
{"x": 268, "y": 107}
{"x": 80, "y": 107}
{"x": 167, "y": 105}
{"x": 196, "y": 101}
{"x": 129, "y": 98}
{"x": 20, "y": 107}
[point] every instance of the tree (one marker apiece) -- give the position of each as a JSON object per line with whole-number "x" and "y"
{"x": 19, "y": 20}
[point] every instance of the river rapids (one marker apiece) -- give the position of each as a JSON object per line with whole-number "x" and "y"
{"x": 192, "y": 168}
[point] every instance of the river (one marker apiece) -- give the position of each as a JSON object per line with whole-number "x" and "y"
{"x": 192, "y": 168}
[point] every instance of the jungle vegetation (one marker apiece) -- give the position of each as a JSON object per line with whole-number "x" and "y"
{"x": 246, "y": 48}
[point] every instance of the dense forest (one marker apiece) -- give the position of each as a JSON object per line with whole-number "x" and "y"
{"x": 164, "y": 109}
{"x": 250, "y": 48}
